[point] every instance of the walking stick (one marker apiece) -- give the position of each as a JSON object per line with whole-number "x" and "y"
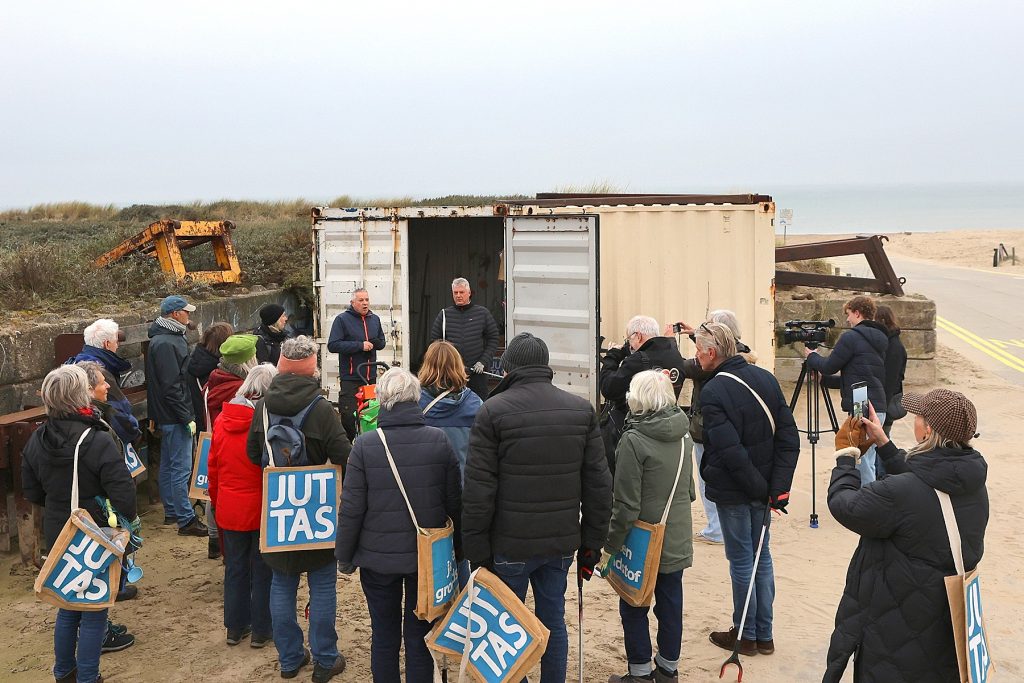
{"x": 579, "y": 583}
{"x": 735, "y": 657}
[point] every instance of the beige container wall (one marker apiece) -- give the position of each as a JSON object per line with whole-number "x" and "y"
{"x": 680, "y": 262}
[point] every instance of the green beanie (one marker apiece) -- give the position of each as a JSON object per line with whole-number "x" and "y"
{"x": 238, "y": 348}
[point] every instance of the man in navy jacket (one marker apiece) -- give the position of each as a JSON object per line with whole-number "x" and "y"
{"x": 356, "y": 336}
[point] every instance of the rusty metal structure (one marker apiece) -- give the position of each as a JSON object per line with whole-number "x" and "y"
{"x": 885, "y": 280}
{"x": 166, "y": 239}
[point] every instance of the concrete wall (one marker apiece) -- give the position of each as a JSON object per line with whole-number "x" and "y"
{"x": 26, "y": 356}
{"x": 916, "y": 316}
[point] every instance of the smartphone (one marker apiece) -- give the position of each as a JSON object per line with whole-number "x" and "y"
{"x": 860, "y": 400}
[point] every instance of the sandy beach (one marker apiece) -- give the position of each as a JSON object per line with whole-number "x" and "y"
{"x": 177, "y": 617}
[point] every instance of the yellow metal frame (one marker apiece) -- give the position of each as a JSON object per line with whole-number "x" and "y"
{"x": 166, "y": 239}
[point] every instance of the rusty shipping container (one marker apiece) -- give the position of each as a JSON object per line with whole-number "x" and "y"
{"x": 570, "y": 269}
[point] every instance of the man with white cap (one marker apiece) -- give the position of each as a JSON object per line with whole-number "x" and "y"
{"x": 169, "y": 405}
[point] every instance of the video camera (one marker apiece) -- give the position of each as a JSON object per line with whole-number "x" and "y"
{"x": 809, "y": 332}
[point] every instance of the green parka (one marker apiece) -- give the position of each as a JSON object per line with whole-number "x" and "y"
{"x": 646, "y": 461}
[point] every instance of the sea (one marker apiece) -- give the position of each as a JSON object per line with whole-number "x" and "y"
{"x": 899, "y": 208}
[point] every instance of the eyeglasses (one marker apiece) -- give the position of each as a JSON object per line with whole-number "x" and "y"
{"x": 705, "y": 328}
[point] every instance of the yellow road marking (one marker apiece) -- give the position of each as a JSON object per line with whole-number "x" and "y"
{"x": 982, "y": 345}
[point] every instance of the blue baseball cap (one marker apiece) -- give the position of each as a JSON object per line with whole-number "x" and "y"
{"x": 175, "y": 303}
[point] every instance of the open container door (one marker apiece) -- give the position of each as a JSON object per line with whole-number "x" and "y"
{"x": 359, "y": 248}
{"x": 552, "y": 291}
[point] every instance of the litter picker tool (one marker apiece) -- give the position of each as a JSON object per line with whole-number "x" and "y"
{"x": 734, "y": 658}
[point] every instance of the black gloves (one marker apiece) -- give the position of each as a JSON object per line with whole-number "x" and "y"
{"x": 346, "y": 567}
{"x": 586, "y": 560}
{"x": 779, "y": 502}
{"x": 615, "y": 356}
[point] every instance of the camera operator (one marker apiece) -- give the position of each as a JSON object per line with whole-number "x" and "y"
{"x": 642, "y": 350}
{"x": 712, "y": 532}
{"x": 858, "y": 356}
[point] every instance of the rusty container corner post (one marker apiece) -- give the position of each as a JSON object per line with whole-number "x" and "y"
{"x": 885, "y": 280}
{"x": 166, "y": 239}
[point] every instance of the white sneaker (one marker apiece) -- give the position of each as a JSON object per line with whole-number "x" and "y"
{"x": 707, "y": 539}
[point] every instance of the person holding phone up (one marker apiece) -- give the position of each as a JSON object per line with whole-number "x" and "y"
{"x": 858, "y": 356}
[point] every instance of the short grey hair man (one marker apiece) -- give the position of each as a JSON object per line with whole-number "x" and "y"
{"x": 727, "y": 318}
{"x": 649, "y": 392}
{"x": 461, "y": 282}
{"x": 715, "y": 345}
{"x": 642, "y": 326}
{"x": 65, "y": 390}
{"x": 102, "y": 331}
{"x": 397, "y": 386}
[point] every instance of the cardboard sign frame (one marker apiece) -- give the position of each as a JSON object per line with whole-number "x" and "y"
{"x": 265, "y": 509}
{"x": 196, "y": 492}
{"x": 116, "y": 542}
{"x": 141, "y": 468}
{"x": 425, "y": 608}
{"x": 958, "y": 590}
{"x": 515, "y": 607}
{"x": 640, "y": 597}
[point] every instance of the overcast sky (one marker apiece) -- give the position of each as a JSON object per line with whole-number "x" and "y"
{"x": 152, "y": 102}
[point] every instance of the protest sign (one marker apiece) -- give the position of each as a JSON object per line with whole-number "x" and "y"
{"x": 199, "y": 485}
{"x": 133, "y": 461}
{"x": 502, "y": 639}
{"x": 300, "y": 508}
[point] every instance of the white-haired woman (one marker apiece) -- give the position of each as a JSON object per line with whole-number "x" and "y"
{"x": 47, "y": 471}
{"x": 377, "y": 535}
{"x": 893, "y": 616}
{"x": 646, "y": 461}
{"x": 102, "y": 339}
{"x": 236, "y": 486}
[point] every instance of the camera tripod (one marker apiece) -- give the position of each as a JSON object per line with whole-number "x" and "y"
{"x": 815, "y": 391}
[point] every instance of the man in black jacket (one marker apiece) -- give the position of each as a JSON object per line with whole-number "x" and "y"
{"x": 858, "y": 356}
{"x": 356, "y": 336}
{"x": 751, "y": 447}
{"x": 643, "y": 350}
{"x": 472, "y": 330}
{"x": 169, "y": 406}
{"x": 536, "y": 462}
{"x": 296, "y": 387}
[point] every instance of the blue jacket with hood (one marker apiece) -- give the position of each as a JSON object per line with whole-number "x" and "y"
{"x": 454, "y": 415}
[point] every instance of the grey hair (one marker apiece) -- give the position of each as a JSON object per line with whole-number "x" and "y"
{"x": 461, "y": 282}
{"x": 716, "y": 336}
{"x": 298, "y": 348}
{"x": 239, "y": 369}
{"x": 93, "y": 370}
{"x": 103, "y": 330}
{"x": 257, "y": 381}
{"x": 397, "y": 386}
{"x": 642, "y": 324}
{"x": 727, "y": 318}
{"x": 649, "y": 392}
{"x": 357, "y": 290}
{"x": 65, "y": 390}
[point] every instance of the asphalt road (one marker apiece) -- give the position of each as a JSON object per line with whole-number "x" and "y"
{"x": 980, "y": 313}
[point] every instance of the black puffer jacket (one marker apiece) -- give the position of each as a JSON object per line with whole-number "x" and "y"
{"x": 697, "y": 376}
{"x": 471, "y": 329}
{"x": 48, "y": 467}
{"x": 535, "y": 461}
{"x": 895, "y": 365}
{"x": 743, "y": 462}
{"x": 268, "y": 346}
{"x": 168, "y": 400}
{"x": 894, "y": 613}
{"x": 325, "y": 441}
{"x": 200, "y": 364}
{"x": 858, "y": 356}
{"x": 375, "y": 531}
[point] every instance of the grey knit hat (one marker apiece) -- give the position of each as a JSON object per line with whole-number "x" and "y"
{"x": 524, "y": 349}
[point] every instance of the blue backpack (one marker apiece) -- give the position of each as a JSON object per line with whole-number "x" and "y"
{"x": 284, "y": 437}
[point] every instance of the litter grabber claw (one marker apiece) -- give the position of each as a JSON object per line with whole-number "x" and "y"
{"x": 734, "y": 658}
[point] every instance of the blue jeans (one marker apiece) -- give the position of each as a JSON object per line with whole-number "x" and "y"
{"x": 246, "y": 583}
{"x": 77, "y": 638}
{"x": 713, "y": 529}
{"x": 389, "y": 624}
{"x": 668, "y": 610}
{"x": 867, "y": 461}
{"x": 323, "y": 608}
{"x": 547, "y": 575}
{"x": 175, "y": 471}
{"x": 741, "y": 528}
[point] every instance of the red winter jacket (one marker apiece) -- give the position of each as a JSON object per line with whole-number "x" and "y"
{"x": 236, "y": 484}
{"x": 220, "y": 389}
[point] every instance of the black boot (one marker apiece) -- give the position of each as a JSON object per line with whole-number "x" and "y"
{"x": 213, "y": 549}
